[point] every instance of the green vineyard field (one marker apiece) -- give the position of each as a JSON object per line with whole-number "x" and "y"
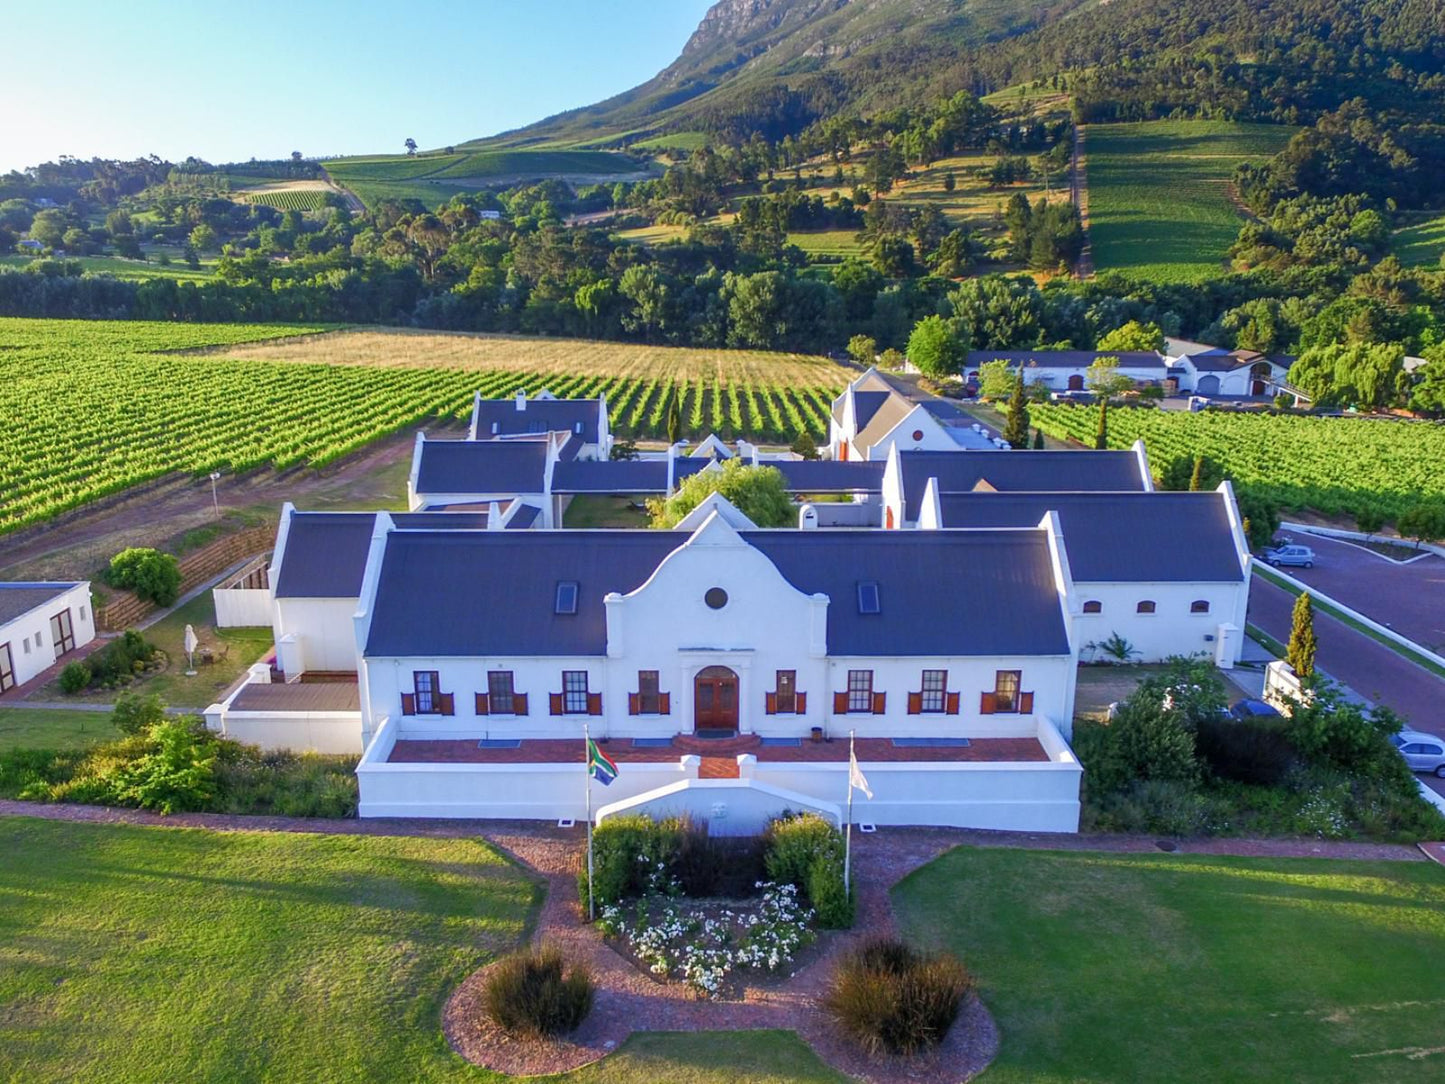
{"x": 96, "y": 407}
{"x": 1337, "y": 466}
{"x": 290, "y": 199}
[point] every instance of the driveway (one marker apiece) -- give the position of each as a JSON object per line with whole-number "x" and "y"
{"x": 1409, "y": 598}
{"x": 1365, "y": 665}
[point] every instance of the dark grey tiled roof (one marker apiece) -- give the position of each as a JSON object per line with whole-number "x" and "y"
{"x": 830, "y": 476}
{"x": 1067, "y": 359}
{"x": 492, "y": 593}
{"x": 541, "y": 416}
{"x": 21, "y": 598}
{"x": 610, "y": 476}
{"x": 1119, "y": 537}
{"x": 865, "y": 405}
{"x": 1019, "y": 471}
{"x": 482, "y": 466}
{"x": 523, "y": 518}
{"x": 325, "y": 555}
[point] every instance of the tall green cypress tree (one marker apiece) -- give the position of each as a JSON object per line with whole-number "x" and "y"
{"x": 1016, "y": 429}
{"x": 1101, "y": 437}
{"x": 1300, "y": 651}
{"x": 1038, "y": 440}
{"x": 674, "y": 421}
{"x": 1196, "y": 479}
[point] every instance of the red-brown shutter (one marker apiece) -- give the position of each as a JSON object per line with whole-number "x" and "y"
{"x": 915, "y": 703}
{"x": 594, "y": 703}
{"x": 483, "y": 707}
{"x": 770, "y": 702}
{"x": 519, "y": 703}
{"x": 664, "y": 703}
{"x": 1026, "y": 703}
{"x": 408, "y": 703}
{"x": 951, "y": 703}
{"x": 446, "y": 703}
{"x": 840, "y": 703}
{"x": 554, "y": 702}
{"x": 802, "y": 704}
{"x": 880, "y": 703}
{"x": 986, "y": 704}
{"x": 633, "y": 703}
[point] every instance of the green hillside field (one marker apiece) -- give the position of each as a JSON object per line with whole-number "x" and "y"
{"x": 1159, "y": 203}
{"x": 1422, "y": 243}
{"x": 435, "y": 178}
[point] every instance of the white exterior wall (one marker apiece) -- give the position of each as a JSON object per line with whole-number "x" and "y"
{"x": 242, "y": 607}
{"x": 317, "y": 633}
{"x": 1056, "y": 377}
{"x": 34, "y": 626}
{"x": 918, "y": 420}
{"x": 1171, "y": 629}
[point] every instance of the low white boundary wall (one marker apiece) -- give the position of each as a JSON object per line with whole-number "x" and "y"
{"x": 1038, "y": 796}
{"x": 1430, "y": 796}
{"x": 303, "y": 731}
{"x": 1360, "y": 536}
{"x": 242, "y": 607}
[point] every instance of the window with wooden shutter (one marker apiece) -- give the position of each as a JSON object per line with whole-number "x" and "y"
{"x": 594, "y": 703}
{"x": 554, "y": 703}
{"x": 880, "y": 703}
{"x": 648, "y": 693}
{"x": 574, "y": 692}
{"x": 482, "y": 705}
{"x": 1026, "y": 703}
{"x": 519, "y": 703}
{"x": 408, "y": 703}
{"x": 986, "y": 704}
{"x": 426, "y": 687}
{"x": 1006, "y": 685}
{"x": 931, "y": 693}
{"x": 664, "y": 703}
{"x": 915, "y": 703}
{"x": 633, "y": 703}
{"x": 770, "y": 703}
{"x": 785, "y": 685}
{"x": 500, "y": 694}
{"x": 802, "y": 704}
{"x": 860, "y": 690}
{"x": 446, "y": 704}
{"x": 951, "y": 703}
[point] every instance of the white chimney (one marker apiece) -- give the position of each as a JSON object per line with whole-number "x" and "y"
{"x": 808, "y": 518}
{"x": 521, "y": 398}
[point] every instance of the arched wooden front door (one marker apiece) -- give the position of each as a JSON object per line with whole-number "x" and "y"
{"x": 1076, "y": 382}
{"x": 715, "y": 700}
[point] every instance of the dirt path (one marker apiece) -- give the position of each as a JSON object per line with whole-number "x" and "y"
{"x": 78, "y": 543}
{"x": 1079, "y": 193}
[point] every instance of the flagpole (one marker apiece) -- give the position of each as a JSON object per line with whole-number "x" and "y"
{"x": 587, "y": 768}
{"x": 848, "y": 832}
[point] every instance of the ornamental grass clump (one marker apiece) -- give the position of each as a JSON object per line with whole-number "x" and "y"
{"x": 890, "y": 998}
{"x": 536, "y": 995}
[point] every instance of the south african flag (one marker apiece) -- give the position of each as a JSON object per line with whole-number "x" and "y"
{"x": 601, "y": 767}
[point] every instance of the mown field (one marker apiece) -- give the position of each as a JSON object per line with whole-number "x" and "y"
{"x": 1159, "y": 203}
{"x": 1422, "y": 243}
{"x": 435, "y": 178}
{"x": 96, "y": 407}
{"x": 1333, "y": 465}
{"x": 1154, "y": 968}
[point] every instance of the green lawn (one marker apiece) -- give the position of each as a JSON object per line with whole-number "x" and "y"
{"x": 1159, "y": 206}
{"x": 1422, "y": 244}
{"x": 36, "y": 728}
{"x": 130, "y": 954}
{"x": 1111, "y": 967}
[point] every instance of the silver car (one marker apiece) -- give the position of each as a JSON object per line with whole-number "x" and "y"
{"x": 1290, "y": 556}
{"x": 1422, "y": 752}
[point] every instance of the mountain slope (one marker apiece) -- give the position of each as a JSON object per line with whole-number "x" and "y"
{"x": 775, "y": 65}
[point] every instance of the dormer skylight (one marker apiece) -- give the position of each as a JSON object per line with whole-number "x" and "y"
{"x": 869, "y": 601}
{"x": 566, "y": 597}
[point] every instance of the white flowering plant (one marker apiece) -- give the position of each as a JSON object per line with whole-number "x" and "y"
{"x": 704, "y": 946}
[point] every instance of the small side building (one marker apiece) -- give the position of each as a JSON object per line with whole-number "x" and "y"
{"x": 40, "y": 624}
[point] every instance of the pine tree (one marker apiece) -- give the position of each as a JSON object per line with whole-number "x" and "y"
{"x": 1101, "y": 438}
{"x": 805, "y": 445}
{"x": 1016, "y": 429}
{"x": 1300, "y": 652}
{"x": 1038, "y": 440}
{"x": 1196, "y": 479}
{"x": 674, "y": 421}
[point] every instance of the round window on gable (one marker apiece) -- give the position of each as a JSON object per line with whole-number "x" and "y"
{"x": 716, "y": 598}
{"x": 918, "y": 434}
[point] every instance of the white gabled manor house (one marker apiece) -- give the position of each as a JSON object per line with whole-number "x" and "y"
{"x": 724, "y": 667}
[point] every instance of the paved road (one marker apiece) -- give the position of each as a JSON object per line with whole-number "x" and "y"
{"x": 1365, "y": 665}
{"x": 1409, "y": 598}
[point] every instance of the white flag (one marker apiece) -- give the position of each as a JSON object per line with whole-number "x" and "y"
{"x": 856, "y": 778}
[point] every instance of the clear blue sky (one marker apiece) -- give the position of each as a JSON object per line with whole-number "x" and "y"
{"x": 226, "y": 82}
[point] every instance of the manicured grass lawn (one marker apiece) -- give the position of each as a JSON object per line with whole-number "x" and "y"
{"x": 35, "y": 728}
{"x": 131, "y": 954}
{"x": 1159, "y": 206}
{"x": 1111, "y": 967}
{"x": 593, "y": 510}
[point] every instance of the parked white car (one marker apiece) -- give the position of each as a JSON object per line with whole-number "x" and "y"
{"x": 1290, "y": 556}
{"x": 1423, "y": 752}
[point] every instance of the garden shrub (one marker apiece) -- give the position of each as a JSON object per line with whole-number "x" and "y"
{"x": 152, "y": 575}
{"x": 1156, "y": 806}
{"x": 1331, "y": 731}
{"x": 177, "y": 775}
{"x": 284, "y": 783}
{"x": 134, "y": 713}
{"x": 74, "y": 677}
{"x": 890, "y": 998}
{"x": 632, "y": 856}
{"x": 1142, "y": 741}
{"x": 119, "y": 661}
{"x": 1257, "y": 751}
{"x": 535, "y": 994}
{"x": 807, "y": 851}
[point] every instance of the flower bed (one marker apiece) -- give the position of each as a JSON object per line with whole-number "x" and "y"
{"x": 706, "y": 944}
